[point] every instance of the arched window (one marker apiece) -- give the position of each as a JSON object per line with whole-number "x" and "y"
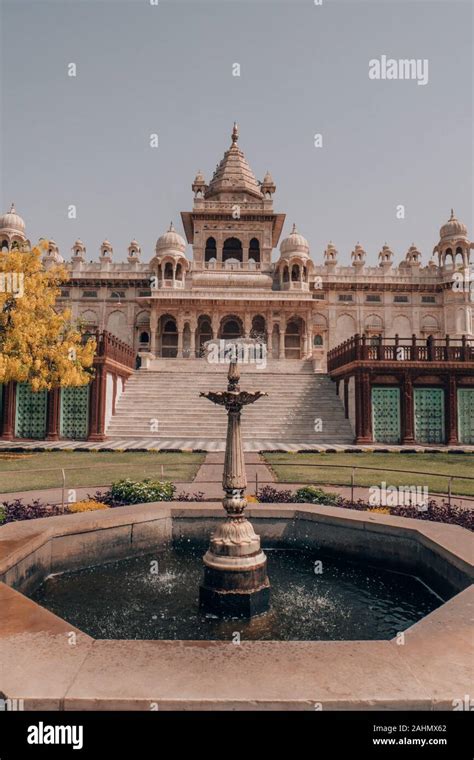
{"x": 231, "y": 328}
{"x": 204, "y": 333}
{"x": 258, "y": 327}
{"x": 170, "y": 326}
{"x": 318, "y": 340}
{"x": 168, "y": 273}
{"x": 210, "y": 252}
{"x": 295, "y": 273}
{"x": 4, "y": 245}
{"x": 232, "y": 250}
{"x": 144, "y": 337}
{"x": 169, "y": 337}
{"x": 254, "y": 250}
{"x": 179, "y": 272}
{"x": 286, "y": 274}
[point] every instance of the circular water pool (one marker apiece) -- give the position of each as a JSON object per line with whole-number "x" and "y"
{"x": 155, "y": 596}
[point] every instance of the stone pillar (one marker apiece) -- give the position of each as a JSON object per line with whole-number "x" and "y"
{"x": 9, "y": 403}
{"x": 97, "y": 405}
{"x": 346, "y": 398}
{"x": 247, "y": 325}
{"x": 363, "y": 408}
{"x": 282, "y": 328}
{"x": 180, "y": 327}
{"x": 451, "y": 411}
{"x": 269, "y": 326}
{"x": 53, "y": 414}
{"x": 192, "y": 345}
{"x": 407, "y": 410}
{"x": 215, "y": 321}
{"x": 153, "y": 326}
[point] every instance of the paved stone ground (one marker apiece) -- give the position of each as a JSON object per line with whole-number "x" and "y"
{"x": 160, "y": 444}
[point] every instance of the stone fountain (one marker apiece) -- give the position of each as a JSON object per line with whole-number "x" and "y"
{"x": 235, "y": 567}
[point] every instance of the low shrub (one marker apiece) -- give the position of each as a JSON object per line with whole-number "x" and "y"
{"x": 16, "y": 510}
{"x": 313, "y": 495}
{"x": 185, "y": 496}
{"x": 269, "y": 495}
{"x": 88, "y": 505}
{"x": 129, "y": 491}
{"x": 3, "y": 514}
{"x": 439, "y": 512}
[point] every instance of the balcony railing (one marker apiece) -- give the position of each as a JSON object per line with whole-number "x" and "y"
{"x": 110, "y": 347}
{"x": 362, "y": 348}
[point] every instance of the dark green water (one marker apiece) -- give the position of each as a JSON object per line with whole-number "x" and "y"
{"x": 127, "y": 600}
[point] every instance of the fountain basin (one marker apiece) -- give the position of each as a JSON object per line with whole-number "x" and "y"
{"x": 428, "y": 669}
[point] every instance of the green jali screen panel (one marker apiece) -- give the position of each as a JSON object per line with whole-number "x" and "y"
{"x": 386, "y": 415}
{"x": 74, "y": 412}
{"x": 30, "y": 417}
{"x": 466, "y": 415}
{"x": 429, "y": 415}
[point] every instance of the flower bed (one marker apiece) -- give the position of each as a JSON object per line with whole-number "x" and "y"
{"x": 127, "y": 491}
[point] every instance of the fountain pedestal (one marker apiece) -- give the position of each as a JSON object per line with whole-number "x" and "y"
{"x": 235, "y": 567}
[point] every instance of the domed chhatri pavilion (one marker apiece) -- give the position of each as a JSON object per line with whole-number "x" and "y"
{"x": 366, "y": 327}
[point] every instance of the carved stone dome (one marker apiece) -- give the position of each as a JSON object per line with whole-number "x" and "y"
{"x": 12, "y": 222}
{"x": 170, "y": 242}
{"x": 294, "y": 243}
{"x": 453, "y": 228}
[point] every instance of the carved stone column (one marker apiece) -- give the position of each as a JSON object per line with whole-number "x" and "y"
{"x": 97, "y": 405}
{"x": 451, "y": 411}
{"x": 53, "y": 414}
{"x": 247, "y": 324}
{"x": 346, "y": 398}
{"x": 9, "y": 403}
{"x": 363, "y": 408}
{"x": 192, "y": 346}
{"x": 282, "y": 338}
{"x": 269, "y": 325}
{"x": 407, "y": 410}
{"x": 180, "y": 327}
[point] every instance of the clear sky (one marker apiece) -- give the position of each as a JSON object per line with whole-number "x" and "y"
{"x": 168, "y": 69}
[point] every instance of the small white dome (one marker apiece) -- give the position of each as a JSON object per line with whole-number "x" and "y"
{"x": 12, "y": 222}
{"x": 171, "y": 241}
{"x": 453, "y": 228}
{"x": 294, "y": 243}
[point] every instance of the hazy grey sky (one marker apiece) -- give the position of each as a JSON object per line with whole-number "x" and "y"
{"x": 167, "y": 69}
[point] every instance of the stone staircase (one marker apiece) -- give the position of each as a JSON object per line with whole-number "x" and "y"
{"x": 165, "y": 404}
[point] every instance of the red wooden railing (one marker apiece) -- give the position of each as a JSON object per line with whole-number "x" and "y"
{"x": 112, "y": 348}
{"x": 361, "y": 348}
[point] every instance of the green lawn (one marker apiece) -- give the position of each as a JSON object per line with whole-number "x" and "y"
{"x": 92, "y": 468}
{"x": 437, "y": 465}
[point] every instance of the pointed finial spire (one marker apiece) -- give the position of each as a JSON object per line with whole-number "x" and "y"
{"x": 171, "y": 228}
{"x": 294, "y": 230}
{"x": 235, "y": 133}
{"x": 13, "y": 209}
{"x": 452, "y": 214}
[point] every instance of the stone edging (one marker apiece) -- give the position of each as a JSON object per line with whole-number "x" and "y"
{"x": 41, "y": 665}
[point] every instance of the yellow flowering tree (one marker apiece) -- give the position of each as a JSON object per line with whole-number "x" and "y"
{"x": 39, "y": 344}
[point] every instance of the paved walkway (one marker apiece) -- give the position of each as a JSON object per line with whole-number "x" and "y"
{"x": 209, "y": 476}
{"x": 205, "y": 444}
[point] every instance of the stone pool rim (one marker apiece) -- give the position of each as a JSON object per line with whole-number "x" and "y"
{"x": 39, "y": 664}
